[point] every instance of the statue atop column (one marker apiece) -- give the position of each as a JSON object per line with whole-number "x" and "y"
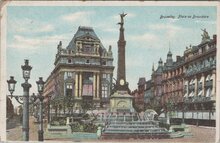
{"x": 122, "y": 15}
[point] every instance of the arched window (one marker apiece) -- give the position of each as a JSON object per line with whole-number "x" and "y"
{"x": 208, "y": 78}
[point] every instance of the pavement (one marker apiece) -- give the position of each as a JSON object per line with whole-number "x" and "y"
{"x": 200, "y": 134}
{"x": 15, "y": 134}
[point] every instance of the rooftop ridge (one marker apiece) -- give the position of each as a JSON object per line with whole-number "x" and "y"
{"x": 86, "y": 28}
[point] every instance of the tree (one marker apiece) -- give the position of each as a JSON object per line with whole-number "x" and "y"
{"x": 10, "y": 108}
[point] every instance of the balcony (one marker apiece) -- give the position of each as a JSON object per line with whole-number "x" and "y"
{"x": 200, "y": 70}
{"x": 196, "y": 99}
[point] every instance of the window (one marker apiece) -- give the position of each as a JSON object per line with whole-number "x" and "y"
{"x": 69, "y": 60}
{"x": 88, "y": 89}
{"x": 104, "y": 62}
{"x": 69, "y": 74}
{"x": 104, "y": 76}
{"x": 87, "y": 61}
{"x": 104, "y": 90}
{"x": 87, "y": 84}
{"x": 69, "y": 87}
{"x": 87, "y": 49}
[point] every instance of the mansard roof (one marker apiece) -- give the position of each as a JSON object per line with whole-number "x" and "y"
{"x": 85, "y": 31}
{"x": 82, "y": 32}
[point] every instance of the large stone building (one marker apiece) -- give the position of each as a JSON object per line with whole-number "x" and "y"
{"x": 172, "y": 80}
{"x": 83, "y": 72}
{"x": 188, "y": 85}
{"x": 200, "y": 81}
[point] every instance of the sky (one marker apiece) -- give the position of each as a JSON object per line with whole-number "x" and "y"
{"x": 33, "y": 33}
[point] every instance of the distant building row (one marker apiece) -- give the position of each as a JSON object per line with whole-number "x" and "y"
{"x": 189, "y": 83}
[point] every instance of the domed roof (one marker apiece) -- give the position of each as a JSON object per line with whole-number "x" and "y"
{"x": 169, "y": 53}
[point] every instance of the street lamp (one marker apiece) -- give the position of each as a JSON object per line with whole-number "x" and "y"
{"x": 11, "y": 85}
{"x": 25, "y": 98}
{"x": 26, "y": 70}
{"x": 40, "y": 85}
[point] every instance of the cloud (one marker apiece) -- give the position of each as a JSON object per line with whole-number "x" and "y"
{"x": 46, "y": 28}
{"x": 170, "y": 30}
{"x": 147, "y": 37}
{"x": 205, "y": 22}
{"x": 25, "y": 42}
{"x": 81, "y": 17}
{"x": 29, "y": 26}
{"x": 109, "y": 41}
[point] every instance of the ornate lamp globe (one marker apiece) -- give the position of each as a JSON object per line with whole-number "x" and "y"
{"x": 40, "y": 85}
{"x": 26, "y": 70}
{"x": 11, "y": 84}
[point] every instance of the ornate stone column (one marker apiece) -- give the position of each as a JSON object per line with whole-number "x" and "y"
{"x": 187, "y": 88}
{"x": 214, "y": 84}
{"x": 196, "y": 86}
{"x": 203, "y": 84}
{"x": 94, "y": 84}
{"x": 76, "y": 85}
{"x": 98, "y": 76}
{"x": 80, "y": 84}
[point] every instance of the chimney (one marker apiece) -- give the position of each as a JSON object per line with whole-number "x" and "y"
{"x": 178, "y": 58}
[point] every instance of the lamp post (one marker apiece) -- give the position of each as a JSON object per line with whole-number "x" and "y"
{"x": 25, "y": 98}
{"x": 48, "y": 111}
{"x": 40, "y": 85}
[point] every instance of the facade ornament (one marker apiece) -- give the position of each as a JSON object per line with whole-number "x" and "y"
{"x": 59, "y": 47}
{"x": 205, "y": 35}
{"x": 153, "y": 67}
{"x": 110, "y": 51}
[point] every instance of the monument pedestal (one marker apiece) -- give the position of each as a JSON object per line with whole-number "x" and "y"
{"x": 121, "y": 101}
{"x": 122, "y": 120}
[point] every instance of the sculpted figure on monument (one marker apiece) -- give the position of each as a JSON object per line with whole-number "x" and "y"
{"x": 205, "y": 35}
{"x": 122, "y": 18}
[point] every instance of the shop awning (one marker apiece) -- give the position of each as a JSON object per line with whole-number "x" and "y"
{"x": 200, "y": 93}
{"x": 208, "y": 92}
{"x": 191, "y": 94}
